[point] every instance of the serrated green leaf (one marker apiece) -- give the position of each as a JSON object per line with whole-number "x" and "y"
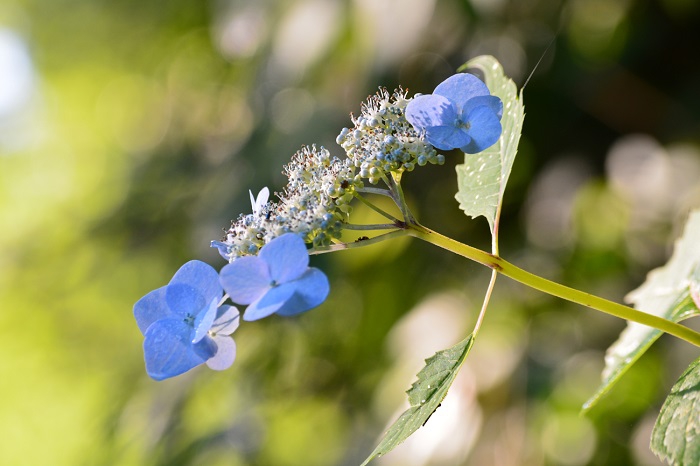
{"x": 482, "y": 178}
{"x": 676, "y": 435}
{"x": 632, "y": 344}
{"x": 425, "y": 395}
{"x": 665, "y": 293}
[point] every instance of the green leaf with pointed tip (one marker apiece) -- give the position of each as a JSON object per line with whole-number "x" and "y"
{"x": 666, "y": 293}
{"x": 425, "y": 395}
{"x": 482, "y": 178}
{"x": 676, "y": 435}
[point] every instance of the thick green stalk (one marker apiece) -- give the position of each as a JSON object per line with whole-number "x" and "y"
{"x": 504, "y": 267}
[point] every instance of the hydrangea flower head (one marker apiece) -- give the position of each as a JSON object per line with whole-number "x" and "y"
{"x": 183, "y": 324}
{"x": 278, "y": 280}
{"x": 460, "y": 113}
{"x": 314, "y": 205}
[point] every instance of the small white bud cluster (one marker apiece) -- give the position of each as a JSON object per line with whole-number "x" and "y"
{"x": 315, "y": 204}
{"x": 383, "y": 141}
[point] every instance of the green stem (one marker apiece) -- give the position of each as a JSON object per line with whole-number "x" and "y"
{"x": 378, "y": 191}
{"x": 395, "y": 187}
{"x": 375, "y": 208}
{"x": 373, "y": 226}
{"x": 359, "y": 243}
{"x": 504, "y": 267}
{"x": 485, "y": 303}
{"x": 386, "y": 181}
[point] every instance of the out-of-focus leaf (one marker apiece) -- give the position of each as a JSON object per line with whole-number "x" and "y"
{"x": 665, "y": 293}
{"x": 676, "y": 435}
{"x": 425, "y": 395}
{"x": 482, "y": 178}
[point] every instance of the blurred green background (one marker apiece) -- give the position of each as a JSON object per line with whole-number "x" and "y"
{"x": 131, "y": 132}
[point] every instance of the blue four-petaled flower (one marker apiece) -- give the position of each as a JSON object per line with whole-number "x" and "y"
{"x": 460, "y": 113}
{"x": 183, "y": 324}
{"x": 277, "y": 280}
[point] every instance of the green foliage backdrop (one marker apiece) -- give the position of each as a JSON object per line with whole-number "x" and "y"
{"x": 132, "y": 139}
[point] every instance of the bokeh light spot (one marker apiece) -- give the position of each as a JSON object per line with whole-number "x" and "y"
{"x": 16, "y": 73}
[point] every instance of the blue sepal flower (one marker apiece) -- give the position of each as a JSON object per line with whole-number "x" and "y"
{"x": 223, "y": 248}
{"x": 460, "y": 113}
{"x": 278, "y": 280}
{"x": 183, "y": 324}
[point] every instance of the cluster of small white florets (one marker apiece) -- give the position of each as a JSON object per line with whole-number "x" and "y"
{"x": 314, "y": 204}
{"x": 383, "y": 141}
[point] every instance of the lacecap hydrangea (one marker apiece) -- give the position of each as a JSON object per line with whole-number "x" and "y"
{"x": 188, "y": 322}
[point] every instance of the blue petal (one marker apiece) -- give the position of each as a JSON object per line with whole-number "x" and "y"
{"x": 200, "y": 276}
{"x": 150, "y": 308}
{"x": 270, "y": 302}
{"x": 485, "y": 129}
{"x": 168, "y": 351}
{"x": 426, "y": 111}
{"x": 460, "y": 88}
{"x": 246, "y": 279}
{"x": 286, "y": 256}
{"x": 204, "y": 321}
{"x": 225, "y": 353}
{"x": 223, "y": 248}
{"x": 184, "y": 300}
{"x": 205, "y": 348}
{"x": 227, "y": 320}
{"x": 490, "y": 101}
{"x": 447, "y": 137}
{"x": 311, "y": 290}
